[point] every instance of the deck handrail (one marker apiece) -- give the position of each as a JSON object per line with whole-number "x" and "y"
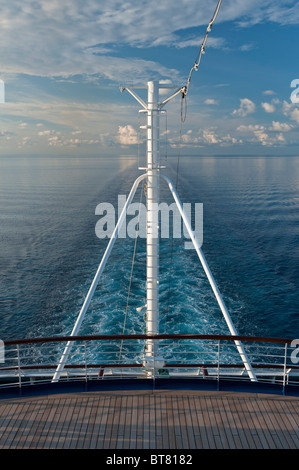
{"x": 21, "y": 359}
{"x": 55, "y": 339}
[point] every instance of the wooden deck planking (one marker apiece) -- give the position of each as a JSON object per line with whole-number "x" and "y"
{"x": 177, "y": 426}
{"x": 239, "y": 431}
{"x": 97, "y": 422}
{"x": 157, "y": 420}
{"x": 288, "y": 424}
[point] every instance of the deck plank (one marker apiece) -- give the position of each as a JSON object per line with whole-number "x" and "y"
{"x": 42, "y": 412}
{"x": 239, "y": 429}
{"x": 29, "y": 425}
{"x": 164, "y": 422}
{"x": 146, "y": 423}
{"x": 97, "y": 423}
{"x": 292, "y": 414}
{"x": 207, "y": 420}
{"x": 109, "y": 423}
{"x": 203, "y": 431}
{"x": 152, "y": 414}
{"x": 121, "y": 423}
{"x": 241, "y": 417}
{"x": 189, "y": 423}
{"x": 177, "y": 426}
{"x": 103, "y": 423}
{"x": 115, "y": 422}
{"x": 228, "y": 427}
{"x": 183, "y": 424}
{"x": 66, "y": 428}
{"x": 91, "y": 423}
{"x": 263, "y": 425}
{"x": 196, "y": 424}
{"x": 273, "y": 425}
{"x": 84, "y": 424}
{"x": 70, "y": 435}
{"x": 287, "y": 423}
{"x": 170, "y": 424}
{"x": 139, "y": 439}
{"x": 251, "y": 421}
{"x": 149, "y": 420}
{"x": 11, "y": 414}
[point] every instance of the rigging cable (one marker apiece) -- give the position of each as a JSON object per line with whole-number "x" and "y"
{"x": 202, "y": 49}
{"x": 132, "y": 267}
{"x": 184, "y": 93}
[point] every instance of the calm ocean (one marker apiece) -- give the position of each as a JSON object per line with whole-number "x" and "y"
{"x": 49, "y": 251}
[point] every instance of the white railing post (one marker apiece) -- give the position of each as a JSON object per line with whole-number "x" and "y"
{"x": 19, "y": 368}
{"x": 284, "y": 367}
{"x": 85, "y": 361}
{"x": 218, "y": 365}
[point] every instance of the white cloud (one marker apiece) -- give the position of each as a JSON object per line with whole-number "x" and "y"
{"x": 210, "y": 137}
{"x": 211, "y": 101}
{"x": 127, "y": 135}
{"x": 268, "y": 107}
{"x": 295, "y": 115}
{"x": 280, "y": 126}
{"x": 217, "y": 43}
{"x": 261, "y": 134}
{"x": 188, "y": 138}
{"x": 65, "y": 123}
{"x": 74, "y": 37}
{"x": 6, "y": 135}
{"x": 281, "y": 12}
{"x": 246, "y": 107}
{"x": 291, "y": 110}
{"x": 247, "y": 47}
{"x": 269, "y": 92}
{"x": 63, "y": 141}
{"x": 46, "y": 132}
{"x": 65, "y": 39}
{"x": 62, "y": 39}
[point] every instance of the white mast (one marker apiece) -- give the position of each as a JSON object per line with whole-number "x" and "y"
{"x": 152, "y": 360}
{"x": 152, "y": 255}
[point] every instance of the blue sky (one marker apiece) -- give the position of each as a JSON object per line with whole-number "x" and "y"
{"x": 62, "y": 62}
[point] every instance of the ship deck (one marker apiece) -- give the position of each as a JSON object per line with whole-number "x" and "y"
{"x": 145, "y": 419}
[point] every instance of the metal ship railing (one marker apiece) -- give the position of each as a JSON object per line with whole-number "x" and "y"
{"x": 103, "y": 358}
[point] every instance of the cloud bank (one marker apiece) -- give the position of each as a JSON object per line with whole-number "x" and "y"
{"x": 70, "y": 37}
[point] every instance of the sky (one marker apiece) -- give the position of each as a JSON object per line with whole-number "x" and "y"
{"x": 63, "y": 61}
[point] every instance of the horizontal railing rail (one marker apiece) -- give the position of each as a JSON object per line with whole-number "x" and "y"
{"x": 133, "y": 365}
{"x": 53, "y": 339}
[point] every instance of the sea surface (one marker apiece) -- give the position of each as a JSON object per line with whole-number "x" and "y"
{"x": 49, "y": 251}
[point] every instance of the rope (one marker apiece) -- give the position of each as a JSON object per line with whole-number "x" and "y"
{"x": 202, "y": 49}
{"x": 131, "y": 275}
